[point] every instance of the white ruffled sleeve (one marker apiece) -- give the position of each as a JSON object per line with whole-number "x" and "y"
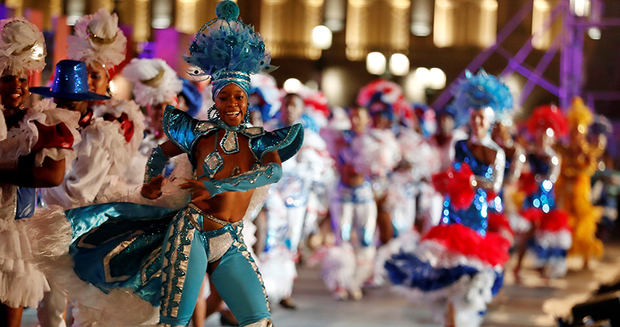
{"x": 53, "y": 117}
{"x": 122, "y": 159}
{"x": 88, "y": 173}
{"x": 47, "y": 130}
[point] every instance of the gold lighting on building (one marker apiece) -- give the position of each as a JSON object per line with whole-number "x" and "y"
{"x": 162, "y": 13}
{"x": 544, "y": 33}
{"x": 465, "y": 23}
{"x": 94, "y": 5}
{"x": 377, "y": 25}
{"x": 190, "y": 15}
{"x": 136, "y": 13}
{"x": 286, "y": 26}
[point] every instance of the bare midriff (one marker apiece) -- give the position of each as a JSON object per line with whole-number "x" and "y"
{"x": 350, "y": 177}
{"x": 229, "y": 206}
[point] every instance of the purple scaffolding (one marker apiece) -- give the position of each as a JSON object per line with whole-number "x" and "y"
{"x": 570, "y": 43}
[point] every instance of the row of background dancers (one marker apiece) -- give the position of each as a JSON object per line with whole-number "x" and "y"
{"x": 381, "y": 192}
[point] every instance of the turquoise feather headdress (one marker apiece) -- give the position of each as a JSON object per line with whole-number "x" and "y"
{"x": 227, "y": 50}
{"x": 478, "y": 92}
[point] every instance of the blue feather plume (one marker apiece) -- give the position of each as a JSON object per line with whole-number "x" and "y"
{"x": 226, "y": 44}
{"x": 480, "y": 91}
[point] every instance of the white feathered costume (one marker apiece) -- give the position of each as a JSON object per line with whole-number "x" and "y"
{"x": 46, "y": 132}
{"x": 104, "y": 170}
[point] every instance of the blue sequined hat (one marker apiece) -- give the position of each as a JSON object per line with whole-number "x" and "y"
{"x": 227, "y": 50}
{"x": 70, "y": 82}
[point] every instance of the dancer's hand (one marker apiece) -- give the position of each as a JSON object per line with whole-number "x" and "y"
{"x": 152, "y": 189}
{"x": 198, "y": 191}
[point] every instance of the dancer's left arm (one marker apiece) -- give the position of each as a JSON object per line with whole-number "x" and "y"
{"x": 269, "y": 172}
{"x": 495, "y": 180}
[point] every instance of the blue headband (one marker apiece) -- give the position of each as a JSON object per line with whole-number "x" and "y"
{"x": 223, "y": 79}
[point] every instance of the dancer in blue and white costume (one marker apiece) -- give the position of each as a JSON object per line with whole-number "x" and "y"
{"x": 287, "y": 206}
{"x": 360, "y": 155}
{"x": 161, "y": 254}
{"x": 458, "y": 263}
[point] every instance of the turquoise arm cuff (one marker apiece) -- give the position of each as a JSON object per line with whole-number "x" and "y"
{"x": 156, "y": 164}
{"x": 264, "y": 175}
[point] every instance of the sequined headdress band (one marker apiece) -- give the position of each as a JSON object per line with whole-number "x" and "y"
{"x": 240, "y": 79}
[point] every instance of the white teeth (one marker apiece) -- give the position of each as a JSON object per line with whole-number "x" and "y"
{"x": 15, "y": 95}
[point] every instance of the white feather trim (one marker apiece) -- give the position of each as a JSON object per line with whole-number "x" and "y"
{"x": 84, "y": 45}
{"x": 116, "y": 108}
{"x": 22, "y": 47}
{"x": 173, "y": 196}
{"x": 22, "y": 283}
{"x": 439, "y": 256}
{"x": 103, "y": 135}
{"x": 338, "y": 267}
{"x": 20, "y": 140}
{"x": 278, "y": 270}
{"x": 518, "y": 223}
{"x": 419, "y": 153}
{"x": 374, "y": 153}
{"x": 469, "y": 295}
{"x": 561, "y": 239}
{"x": 50, "y": 231}
{"x": 165, "y": 90}
{"x": 554, "y": 267}
{"x": 405, "y": 242}
{"x": 92, "y": 307}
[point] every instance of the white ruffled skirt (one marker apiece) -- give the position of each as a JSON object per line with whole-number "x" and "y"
{"x": 26, "y": 246}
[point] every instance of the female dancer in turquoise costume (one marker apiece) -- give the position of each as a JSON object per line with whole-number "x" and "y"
{"x": 458, "y": 264}
{"x": 162, "y": 254}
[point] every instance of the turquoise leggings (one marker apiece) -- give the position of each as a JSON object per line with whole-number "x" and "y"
{"x": 187, "y": 252}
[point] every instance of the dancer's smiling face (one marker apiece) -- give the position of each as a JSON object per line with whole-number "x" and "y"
{"x": 13, "y": 90}
{"x": 232, "y": 104}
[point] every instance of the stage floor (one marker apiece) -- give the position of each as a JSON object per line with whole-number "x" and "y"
{"x": 533, "y": 303}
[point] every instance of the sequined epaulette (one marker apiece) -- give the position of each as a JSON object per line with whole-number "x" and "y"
{"x": 184, "y": 130}
{"x": 287, "y": 141}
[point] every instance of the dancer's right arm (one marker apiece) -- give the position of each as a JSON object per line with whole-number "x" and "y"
{"x": 155, "y": 165}
{"x": 50, "y": 174}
